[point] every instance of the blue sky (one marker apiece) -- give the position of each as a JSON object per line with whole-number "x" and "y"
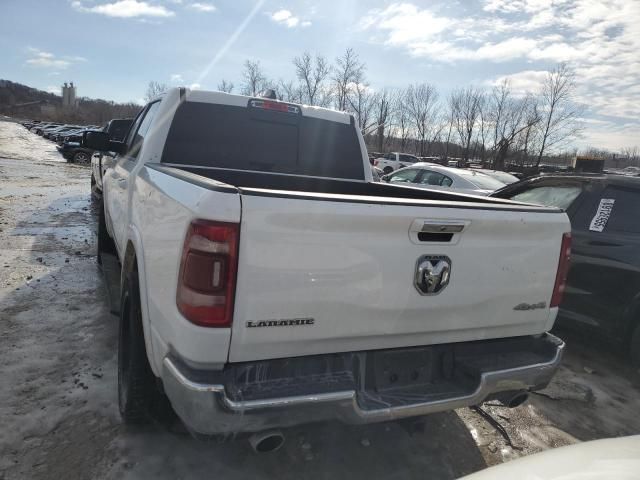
{"x": 112, "y": 48}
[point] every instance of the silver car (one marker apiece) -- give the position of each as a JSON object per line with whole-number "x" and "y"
{"x": 437, "y": 177}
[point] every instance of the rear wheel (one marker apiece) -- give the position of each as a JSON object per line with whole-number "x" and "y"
{"x": 387, "y": 170}
{"x": 136, "y": 382}
{"x": 81, "y": 157}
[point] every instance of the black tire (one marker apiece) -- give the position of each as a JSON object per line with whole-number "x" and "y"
{"x": 387, "y": 170}
{"x": 137, "y": 391}
{"x": 634, "y": 347}
{"x": 81, "y": 157}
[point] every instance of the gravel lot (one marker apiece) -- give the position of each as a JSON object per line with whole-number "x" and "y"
{"x": 58, "y": 407}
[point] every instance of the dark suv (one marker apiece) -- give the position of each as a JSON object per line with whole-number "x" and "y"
{"x": 603, "y": 288}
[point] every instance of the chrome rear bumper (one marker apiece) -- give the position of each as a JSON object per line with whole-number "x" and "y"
{"x": 207, "y": 408}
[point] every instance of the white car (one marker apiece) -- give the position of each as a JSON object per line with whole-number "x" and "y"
{"x": 266, "y": 281}
{"x": 607, "y": 459}
{"x": 437, "y": 177}
{"x": 393, "y": 161}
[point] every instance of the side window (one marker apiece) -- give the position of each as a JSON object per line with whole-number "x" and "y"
{"x": 408, "y": 158}
{"x": 404, "y": 176}
{"x": 135, "y": 140}
{"x": 133, "y": 129}
{"x": 390, "y": 156}
{"x": 434, "y": 178}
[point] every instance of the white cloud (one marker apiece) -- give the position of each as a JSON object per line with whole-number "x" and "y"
{"x": 203, "y": 7}
{"x": 53, "y": 89}
{"x": 125, "y": 9}
{"x": 527, "y": 81}
{"x": 176, "y": 78}
{"x": 41, "y": 59}
{"x": 195, "y": 86}
{"x": 288, "y": 19}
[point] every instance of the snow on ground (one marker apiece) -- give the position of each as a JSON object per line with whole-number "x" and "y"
{"x": 58, "y": 405}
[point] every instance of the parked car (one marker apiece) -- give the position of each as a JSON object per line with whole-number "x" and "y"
{"x": 603, "y": 288}
{"x": 74, "y": 152}
{"x": 393, "y": 161}
{"x": 70, "y": 136}
{"x": 607, "y": 459}
{"x": 52, "y": 134}
{"x": 376, "y": 173}
{"x": 504, "y": 177}
{"x": 117, "y": 129}
{"x": 38, "y": 129}
{"x": 437, "y": 177}
{"x": 251, "y": 247}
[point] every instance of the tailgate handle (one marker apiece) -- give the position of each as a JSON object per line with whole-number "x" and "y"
{"x": 429, "y": 227}
{"x": 437, "y": 230}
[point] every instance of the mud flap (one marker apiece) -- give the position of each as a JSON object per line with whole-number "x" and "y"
{"x": 111, "y": 272}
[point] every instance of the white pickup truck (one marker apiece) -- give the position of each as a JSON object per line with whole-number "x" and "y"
{"x": 393, "y": 161}
{"x": 267, "y": 282}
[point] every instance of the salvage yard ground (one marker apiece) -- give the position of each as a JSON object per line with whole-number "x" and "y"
{"x": 58, "y": 406}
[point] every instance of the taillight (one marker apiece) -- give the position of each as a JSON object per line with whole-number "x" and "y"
{"x": 207, "y": 278}
{"x": 563, "y": 271}
{"x": 275, "y": 106}
{"x": 375, "y": 163}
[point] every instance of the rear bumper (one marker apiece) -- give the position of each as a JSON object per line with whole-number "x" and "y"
{"x": 215, "y": 407}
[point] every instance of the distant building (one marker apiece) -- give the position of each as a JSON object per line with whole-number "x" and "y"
{"x": 69, "y": 95}
{"x": 588, "y": 164}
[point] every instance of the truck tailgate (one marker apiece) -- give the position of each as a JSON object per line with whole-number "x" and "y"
{"x": 336, "y": 274}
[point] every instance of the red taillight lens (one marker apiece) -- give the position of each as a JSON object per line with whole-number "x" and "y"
{"x": 375, "y": 163}
{"x": 275, "y": 106}
{"x": 563, "y": 271}
{"x": 207, "y": 278}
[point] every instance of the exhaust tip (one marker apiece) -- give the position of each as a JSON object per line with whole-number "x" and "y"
{"x": 265, "y": 442}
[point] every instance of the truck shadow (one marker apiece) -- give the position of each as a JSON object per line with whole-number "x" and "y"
{"x": 439, "y": 446}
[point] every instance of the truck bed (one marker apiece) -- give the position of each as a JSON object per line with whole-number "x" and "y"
{"x": 238, "y": 180}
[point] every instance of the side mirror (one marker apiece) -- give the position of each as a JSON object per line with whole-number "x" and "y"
{"x": 100, "y": 141}
{"x": 385, "y": 178}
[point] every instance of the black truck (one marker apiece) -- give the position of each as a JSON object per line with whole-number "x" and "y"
{"x": 603, "y": 288}
{"x": 74, "y": 149}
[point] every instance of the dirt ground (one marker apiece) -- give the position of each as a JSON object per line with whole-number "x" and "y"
{"x": 58, "y": 407}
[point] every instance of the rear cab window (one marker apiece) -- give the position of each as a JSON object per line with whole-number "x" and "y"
{"x": 253, "y": 139}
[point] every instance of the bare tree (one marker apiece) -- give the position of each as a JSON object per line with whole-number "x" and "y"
{"x": 225, "y": 86}
{"x": 466, "y": 103}
{"x": 254, "y": 79}
{"x": 383, "y": 113}
{"x": 421, "y": 102}
{"x": 560, "y": 114}
{"x": 348, "y": 68}
{"x": 484, "y": 128}
{"x": 290, "y": 92}
{"x": 312, "y": 73}
{"x": 402, "y": 119}
{"x": 360, "y": 100}
{"x": 452, "y": 103}
{"x": 519, "y": 115}
{"x": 154, "y": 89}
